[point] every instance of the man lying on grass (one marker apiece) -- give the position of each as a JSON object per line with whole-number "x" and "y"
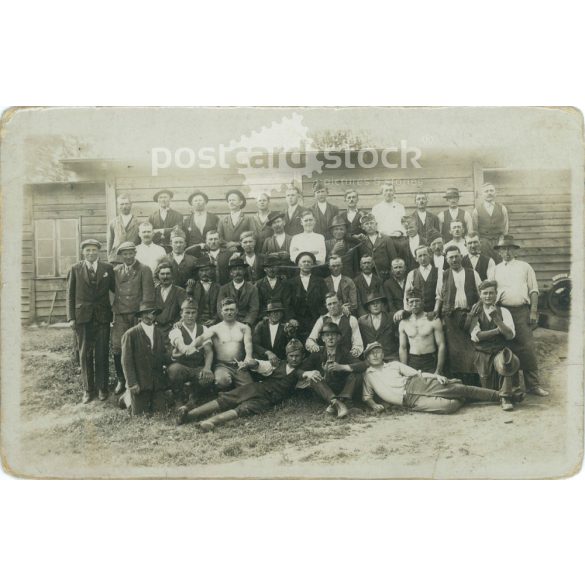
{"x": 400, "y": 385}
{"x": 253, "y": 398}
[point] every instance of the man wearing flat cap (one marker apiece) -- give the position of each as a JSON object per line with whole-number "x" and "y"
{"x": 200, "y": 221}
{"x": 143, "y": 360}
{"x": 123, "y": 228}
{"x": 381, "y": 248}
{"x": 164, "y": 219}
{"x": 271, "y": 288}
{"x": 134, "y": 283}
{"x": 206, "y": 291}
{"x": 244, "y": 293}
{"x": 323, "y": 210}
{"x": 453, "y": 213}
{"x": 89, "y": 313}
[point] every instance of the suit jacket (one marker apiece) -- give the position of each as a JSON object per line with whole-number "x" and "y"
{"x": 386, "y": 334}
{"x": 87, "y": 302}
{"x": 117, "y": 234}
{"x": 431, "y": 223}
{"x": 171, "y": 307}
{"x": 394, "y": 295}
{"x": 173, "y": 219}
{"x": 336, "y": 380}
{"x": 266, "y": 295}
{"x": 363, "y": 290}
{"x": 261, "y": 230}
{"x": 262, "y": 342}
{"x": 354, "y": 226}
{"x": 228, "y": 232}
{"x": 194, "y": 235}
{"x": 383, "y": 252}
{"x": 142, "y": 361}
{"x": 406, "y": 254}
{"x": 349, "y": 255}
{"x": 346, "y": 291}
{"x": 132, "y": 289}
{"x": 270, "y": 246}
{"x": 256, "y": 273}
{"x": 306, "y": 306}
{"x": 184, "y": 271}
{"x": 248, "y": 304}
{"x": 293, "y": 224}
{"x": 198, "y": 299}
{"x": 323, "y": 220}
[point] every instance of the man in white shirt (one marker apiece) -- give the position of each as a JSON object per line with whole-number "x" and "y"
{"x": 147, "y": 252}
{"x": 483, "y": 264}
{"x": 308, "y": 240}
{"x": 389, "y": 213}
{"x": 351, "y": 337}
{"x": 397, "y": 384}
{"x": 518, "y": 292}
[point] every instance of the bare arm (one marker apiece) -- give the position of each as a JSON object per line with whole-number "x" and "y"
{"x": 248, "y": 345}
{"x": 403, "y": 349}
{"x": 440, "y": 341}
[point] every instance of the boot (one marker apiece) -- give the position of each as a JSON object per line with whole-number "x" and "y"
{"x": 218, "y": 419}
{"x": 506, "y": 404}
{"x": 87, "y": 397}
{"x": 342, "y": 410}
{"x": 185, "y": 415}
{"x": 121, "y": 385}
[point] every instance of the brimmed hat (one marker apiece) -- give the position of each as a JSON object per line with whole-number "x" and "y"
{"x": 331, "y": 328}
{"x": 147, "y": 307}
{"x": 178, "y": 233}
{"x": 91, "y": 242}
{"x": 301, "y": 254}
{"x": 274, "y": 215}
{"x": 234, "y": 262}
{"x": 506, "y": 241}
{"x": 271, "y": 261}
{"x": 451, "y": 192}
{"x": 413, "y": 293}
{"x": 367, "y": 217}
{"x": 433, "y": 235}
{"x": 164, "y": 191}
{"x": 126, "y": 246}
{"x": 195, "y": 193}
{"x": 372, "y": 346}
{"x": 338, "y": 220}
{"x": 506, "y": 363}
{"x": 374, "y": 297}
{"x": 239, "y": 194}
{"x": 273, "y": 307}
{"x": 203, "y": 262}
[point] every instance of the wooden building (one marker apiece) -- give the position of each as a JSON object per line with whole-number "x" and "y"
{"x": 58, "y": 216}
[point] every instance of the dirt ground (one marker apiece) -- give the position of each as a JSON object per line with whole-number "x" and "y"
{"x": 62, "y": 438}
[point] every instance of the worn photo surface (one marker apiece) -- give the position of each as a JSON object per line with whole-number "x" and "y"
{"x": 292, "y": 292}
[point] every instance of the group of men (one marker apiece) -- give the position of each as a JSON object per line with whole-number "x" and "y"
{"x": 423, "y": 311}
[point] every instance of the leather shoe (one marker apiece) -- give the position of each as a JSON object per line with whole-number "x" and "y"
{"x": 342, "y": 410}
{"x": 206, "y": 426}
{"x": 122, "y": 403}
{"x": 331, "y": 409}
{"x": 507, "y": 404}
{"x": 87, "y": 397}
{"x": 120, "y": 387}
{"x": 538, "y": 391}
{"x": 182, "y": 416}
{"x": 103, "y": 395}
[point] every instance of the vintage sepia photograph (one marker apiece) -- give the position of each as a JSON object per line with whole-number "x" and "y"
{"x": 374, "y": 293}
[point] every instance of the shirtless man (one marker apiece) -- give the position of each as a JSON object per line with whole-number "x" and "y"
{"x": 422, "y": 343}
{"x": 232, "y": 345}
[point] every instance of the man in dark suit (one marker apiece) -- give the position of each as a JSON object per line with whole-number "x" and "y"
{"x": 123, "y": 228}
{"x": 272, "y": 287}
{"x": 134, "y": 284}
{"x": 394, "y": 288}
{"x": 292, "y": 216}
{"x": 378, "y": 326}
{"x": 279, "y": 242}
{"x": 341, "y": 285}
{"x": 270, "y": 335}
{"x": 380, "y": 248}
{"x": 182, "y": 265}
{"x": 366, "y": 283}
{"x": 254, "y": 261}
{"x": 323, "y": 211}
{"x": 168, "y": 297}
{"x": 353, "y": 215}
{"x": 164, "y": 219}
{"x": 89, "y": 313}
{"x": 200, "y": 221}
{"x": 143, "y": 360}
{"x": 477, "y": 258}
{"x": 425, "y": 220}
{"x": 408, "y": 244}
{"x": 217, "y": 255}
{"x": 244, "y": 293}
{"x": 343, "y": 245}
{"x": 205, "y": 292}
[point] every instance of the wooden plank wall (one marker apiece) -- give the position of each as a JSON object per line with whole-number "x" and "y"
{"x": 539, "y": 207}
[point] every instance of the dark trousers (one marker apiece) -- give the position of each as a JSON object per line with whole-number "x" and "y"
{"x": 93, "y": 342}
{"x": 148, "y": 401}
{"x": 327, "y": 393}
{"x": 426, "y": 362}
{"x": 523, "y": 346}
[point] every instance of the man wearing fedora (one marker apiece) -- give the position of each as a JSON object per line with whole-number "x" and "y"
{"x": 377, "y": 326}
{"x": 182, "y": 265}
{"x": 89, "y": 314}
{"x": 134, "y": 284}
{"x": 279, "y": 242}
{"x": 381, "y": 248}
{"x": 272, "y": 287}
{"x": 425, "y": 220}
{"x": 271, "y": 334}
{"x": 147, "y": 252}
{"x": 343, "y": 245}
{"x": 294, "y": 210}
{"x": 191, "y": 369}
{"x": 323, "y": 210}
{"x": 232, "y": 226}
{"x": 490, "y": 220}
{"x": 123, "y": 228}
{"x": 453, "y": 213}
{"x": 396, "y": 384}
{"x": 205, "y": 292}
{"x": 491, "y": 328}
{"x": 341, "y": 285}
{"x": 164, "y": 219}
{"x": 244, "y": 293}
{"x": 143, "y": 360}
{"x": 338, "y": 371}
{"x": 200, "y": 221}
{"x": 422, "y": 342}
{"x": 518, "y": 292}
{"x": 366, "y": 283}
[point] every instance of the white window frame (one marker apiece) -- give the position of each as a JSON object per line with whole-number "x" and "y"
{"x": 58, "y": 269}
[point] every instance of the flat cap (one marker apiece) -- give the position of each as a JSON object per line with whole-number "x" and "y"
{"x": 91, "y": 242}
{"x": 126, "y": 246}
{"x": 294, "y": 345}
{"x": 372, "y": 346}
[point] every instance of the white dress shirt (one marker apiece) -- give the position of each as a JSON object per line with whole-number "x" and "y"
{"x": 280, "y": 238}
{"x": 164, "y": 292}
{"x": 336, "y": 280}
{"x": 368, "y": 278}
{"x": 389, "y": 216}
{"x": 506, "y": 318}
{"x": 516, "y": 280}
{"x": 356, "y": 337}
{"x": 163, "y": 213}
{"x": 388, "y": 382}
{"x": 459, "y": 279}
{"x": 149, "y": 330}
{"x": 273, "y": 331}
{"x": 200, "y": 220}
{"x": 308, "y": 242}
{"x": 150, "y": 255}
{"x": 126, "y": 219}
{"x": 461, "y": 245}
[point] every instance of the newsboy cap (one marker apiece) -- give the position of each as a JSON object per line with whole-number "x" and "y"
{"x": 371, "y": 346}
{"x": 126, "y": 246}
{"x": 294, "y": 345}
{"x": 91, "y": 242}
{"x": 235, "y": 262}
{"x": 331, "y": 328}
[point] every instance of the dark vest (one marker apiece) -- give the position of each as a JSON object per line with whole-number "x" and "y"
{"x": 427, "y": 287}
{"x": 206, "y": 311}
{"x": 195, "y": 360}
{"x": 345, "y": 328}
{"x": 447, "y": 237}
{"x": 494, "y": 344}
{"x": 490, "y": 226}
{"x": 450, "y": 290}
{"x": 482, "y": 265}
